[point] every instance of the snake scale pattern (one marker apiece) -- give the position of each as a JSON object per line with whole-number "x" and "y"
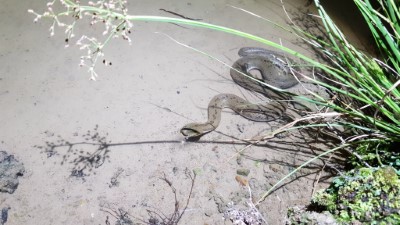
{"x": 274, "y": 71}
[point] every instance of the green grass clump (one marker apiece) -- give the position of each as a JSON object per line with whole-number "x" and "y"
{"x": 377, "y": 154}
{"x": 368, "y": 195}
{"x": 378, "y": 121}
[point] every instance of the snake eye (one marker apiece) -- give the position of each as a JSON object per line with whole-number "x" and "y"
{"x": 189, "y": 133}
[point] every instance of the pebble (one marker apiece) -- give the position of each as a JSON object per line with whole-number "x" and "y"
{"x": 243, "y": 172}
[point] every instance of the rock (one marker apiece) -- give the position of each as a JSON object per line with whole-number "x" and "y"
{"x": 4, "y": 215}
{"x": 243, "y": 172}
{"x": 175, "y": 170}
{"x": 239, "y": 160}
{"x": 300, "y": 215}
{"x": 10, "y": 170}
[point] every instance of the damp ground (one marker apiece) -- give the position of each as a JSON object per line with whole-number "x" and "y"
{"x": 110, "y": 151}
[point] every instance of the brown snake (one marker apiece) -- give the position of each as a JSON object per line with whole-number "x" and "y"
{"x": 274, "y": 71}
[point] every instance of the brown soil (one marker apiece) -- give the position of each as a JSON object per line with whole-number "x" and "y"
{"x": 97, "y": 152}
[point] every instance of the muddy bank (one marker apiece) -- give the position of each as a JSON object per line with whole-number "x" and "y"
{"x": 94, "y": 152}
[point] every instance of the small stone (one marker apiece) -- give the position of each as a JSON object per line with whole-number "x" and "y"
{"x": 10, "y": 170}
{"x": 4, "y": 215}
{"x": 239, "y": 160}
{"x": 175, "y": 170}
{"x": 243, "y": 172}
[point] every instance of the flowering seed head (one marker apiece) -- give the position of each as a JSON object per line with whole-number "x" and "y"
{"x": 115, "y": 26}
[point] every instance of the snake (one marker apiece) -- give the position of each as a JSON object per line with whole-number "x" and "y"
{"x": 274, "y": 71}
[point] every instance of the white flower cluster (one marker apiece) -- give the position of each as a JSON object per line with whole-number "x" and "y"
{"x": 112, "y": 13}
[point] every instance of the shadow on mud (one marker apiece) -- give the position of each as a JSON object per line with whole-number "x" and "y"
{"x": 155, "y": 215}
{"x": 84, "y": 161}
{"x": 93, "y": 151}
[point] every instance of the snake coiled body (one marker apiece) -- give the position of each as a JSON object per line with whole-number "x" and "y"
{"x": 274, "y": 71}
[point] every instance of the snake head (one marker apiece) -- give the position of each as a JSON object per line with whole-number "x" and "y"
{"x": 194, "y": 131}
{"x": 191, "y": 134}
